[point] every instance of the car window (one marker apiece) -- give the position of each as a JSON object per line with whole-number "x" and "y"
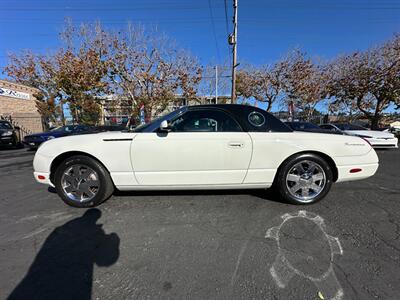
{"x": 256, "y": 118}
{"x": 205, "y": 121}
{"x": 5, "y": 125}
{"x": 330, "y": 127}
{"x": 155, "y": 124}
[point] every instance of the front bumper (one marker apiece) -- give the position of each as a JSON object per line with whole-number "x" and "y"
{"x": 6, "y": 140}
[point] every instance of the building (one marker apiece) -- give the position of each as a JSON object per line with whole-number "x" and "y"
{"x": 17, "y": 104}
{"x": 117, "y": 111}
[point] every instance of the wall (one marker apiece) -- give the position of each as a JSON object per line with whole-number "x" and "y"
{"x": 18, "y": 102}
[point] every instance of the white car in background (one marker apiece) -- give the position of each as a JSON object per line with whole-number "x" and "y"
{"x": 377, "y": 139}
{"x": 203, "y": 147}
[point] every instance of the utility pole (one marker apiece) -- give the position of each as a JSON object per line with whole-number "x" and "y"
{"x": 233, "y": 41}
{"x": 216, "y": 84}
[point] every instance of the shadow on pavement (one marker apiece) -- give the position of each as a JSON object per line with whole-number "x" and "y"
{"x": 63, "y": 268}
{"x": 265, "y": 194}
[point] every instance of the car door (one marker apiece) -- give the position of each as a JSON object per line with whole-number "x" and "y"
{"x": 204, "y": 147}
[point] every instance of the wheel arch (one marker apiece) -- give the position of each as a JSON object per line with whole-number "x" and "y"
{"x": 63, "y": 156}
{"x": 324, "y": 156}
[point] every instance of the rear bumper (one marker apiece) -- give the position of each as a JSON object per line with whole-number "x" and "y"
{"x": 367, "y": 170}
{"x": 368, "y": 164}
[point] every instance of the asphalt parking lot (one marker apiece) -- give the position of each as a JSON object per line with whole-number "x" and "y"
{"x": 200, "y": 245}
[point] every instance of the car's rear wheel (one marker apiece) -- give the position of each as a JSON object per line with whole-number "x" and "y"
{"x": 81, "y": 181}
{"x": 304, "y": 179}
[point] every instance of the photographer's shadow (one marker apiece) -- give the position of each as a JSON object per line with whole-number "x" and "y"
{"x": 63, "y": 268}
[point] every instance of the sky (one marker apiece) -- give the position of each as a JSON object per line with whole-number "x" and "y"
{"x": 267, "y": 29}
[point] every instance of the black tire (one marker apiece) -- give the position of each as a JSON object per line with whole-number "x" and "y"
{"x": 105, "y": 189}
{"x": 281, "y": 184}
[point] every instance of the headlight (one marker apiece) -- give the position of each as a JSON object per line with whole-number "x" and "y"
{"x": 7, "y": 133}
{"x": 50, "y": 137}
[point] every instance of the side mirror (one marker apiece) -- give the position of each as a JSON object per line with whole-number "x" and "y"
{"x": 17, "y": 127}
{"x": 164, "y": 126}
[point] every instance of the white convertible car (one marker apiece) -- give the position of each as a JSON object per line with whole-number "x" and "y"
{"x": 203, "y": 147}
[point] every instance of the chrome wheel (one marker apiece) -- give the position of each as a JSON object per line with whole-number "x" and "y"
{"x": 80, "y": 183}
{"x": 305, "y": 180}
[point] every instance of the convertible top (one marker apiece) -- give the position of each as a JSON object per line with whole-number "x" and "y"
{"x": 241, "y": 113}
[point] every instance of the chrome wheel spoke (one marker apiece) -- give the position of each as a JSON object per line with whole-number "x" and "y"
{"x": 68, "y": 178}
{"x": 305, "y": 192}
{"x": 69, "y": 189}
{"x": 93, "y": 183}
{"x": 295, "y": 188}
{"x": 318, "y": 177}
{"x": 300, "y": 168}
{"x": 315, "y": 187}
{"x": 311, "y": 168}
{"x": 293, "y": 177}
{"x": 76, "y": 169}
{"x": 88, "y": 191}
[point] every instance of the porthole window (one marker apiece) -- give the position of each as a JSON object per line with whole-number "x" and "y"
{"x": 256, "y": 119}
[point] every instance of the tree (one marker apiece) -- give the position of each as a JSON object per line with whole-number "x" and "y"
{"x": 139, "y": 68}
{"x": 36, "y": 71}
{"x": 82, "y": 70}
{"x": 370, "y": 79}
{"x": 73, "y": 75}
{"x": 264, "y": 84}
{"x": 150, "y": 70}
{"x": 304, "y": 82}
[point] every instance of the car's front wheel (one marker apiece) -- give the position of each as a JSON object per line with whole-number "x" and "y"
{"x": 81, "y": 181}
{"x": 304, "y": 179}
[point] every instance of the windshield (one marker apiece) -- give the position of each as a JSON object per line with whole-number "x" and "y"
{"x": 150, "y": 127}
{"x": 5, "y": 125}
{"x": 349, "y": 127}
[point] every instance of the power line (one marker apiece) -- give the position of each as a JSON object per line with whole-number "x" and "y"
{"x": 213, "y": 29}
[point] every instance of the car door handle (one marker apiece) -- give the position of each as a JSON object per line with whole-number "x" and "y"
{"x": 236, "y": 145}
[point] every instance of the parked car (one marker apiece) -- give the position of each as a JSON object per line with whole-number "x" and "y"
{"x": 103, "y": 128}
{"x": 203, "y": 147}
{"x": 9, "y": 134}
{"x": 377, "y": 139}
{"x": 308, "y": 127}
{"x": 33, "y": 141}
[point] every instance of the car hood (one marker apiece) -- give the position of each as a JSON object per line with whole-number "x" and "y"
{"x": 46, "y": 134}
{"x": 371, "y": 133}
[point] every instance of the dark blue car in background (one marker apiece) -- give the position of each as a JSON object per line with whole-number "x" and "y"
{"x": 34, "y": 140}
